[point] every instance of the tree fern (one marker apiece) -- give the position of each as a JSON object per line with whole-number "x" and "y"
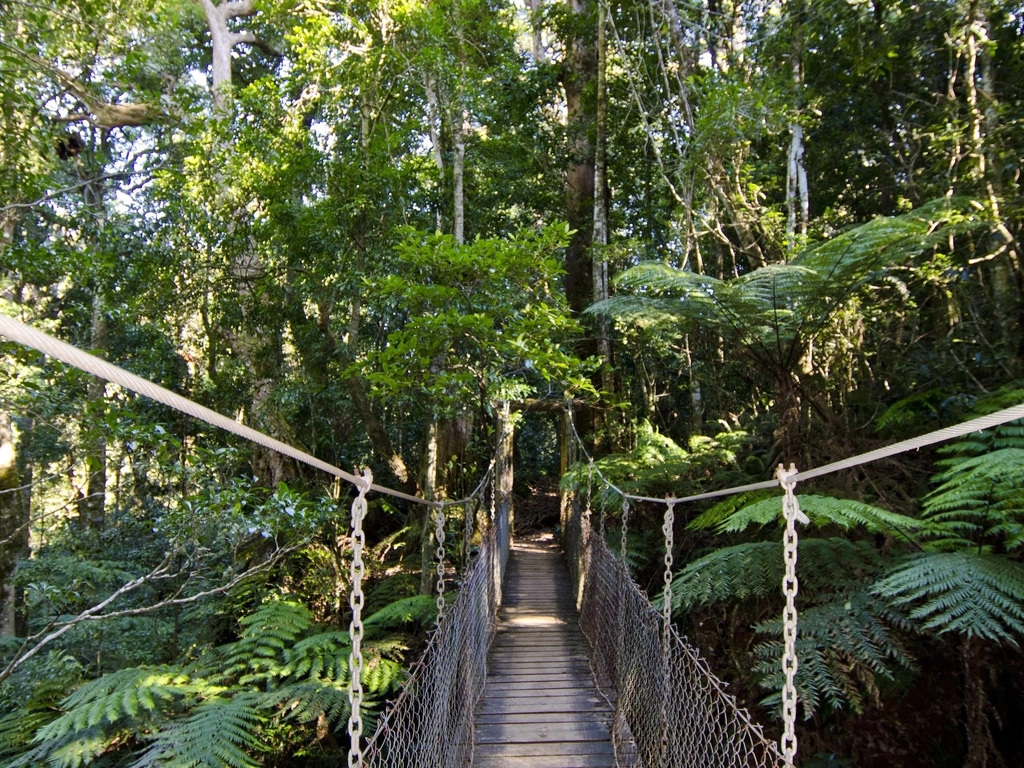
{"x": 419, "y": 609}
{"x": 755, "y": 569}
{"x": 266, "y": 633}
{"x": 843, "y": 645}
{"x": 822, "y": 511}
{"x": 971, "y": 593}
{"x": 219, "y": 733}
{"x": 982, "y": 495}
{"x": 727, "y": 507}
{"x": 776, "y": 308}
{"x": 116, "y": 697}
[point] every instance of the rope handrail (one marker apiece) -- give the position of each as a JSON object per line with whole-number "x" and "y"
{"x": 1004, "y": 416}
{"x": 24, "y": 334}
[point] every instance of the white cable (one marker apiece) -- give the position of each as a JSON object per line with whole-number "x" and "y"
{"x": 66, "y": 353}
{"x": 913, "y": 444}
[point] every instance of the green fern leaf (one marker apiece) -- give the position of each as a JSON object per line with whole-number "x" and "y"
{"x": 842, "y": 646}
{"x": 755, "y": 569}
{"x": 219, "y": 733}
{"x": 823, "y": 511}
{"x": 977, "y": 595}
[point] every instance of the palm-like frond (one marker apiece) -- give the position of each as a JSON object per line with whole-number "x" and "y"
{"x": 842, "y": 646}
{"x": 117, "y": 697}
{"x": 971, "y": 593}
{"x": 756, "y": 568}
{"x": 822, "y": 511}
{"x": 776, "y": 308}
{"x": 419, "y": 609}
{"x": 219, "y": 733}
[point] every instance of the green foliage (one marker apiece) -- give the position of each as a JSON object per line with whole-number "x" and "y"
{"x": 478, "y": 315}
{"x": 220, "y": 709}
{"x": 755, "y": 569}
{"x": 218, "y": 732}
{"x": 657, "y": 465}
{"x": 843, "y": 645}
{"x": 821, "y": 510}
{"x": 971, "y": 593}
{"x": 775, "y": 310}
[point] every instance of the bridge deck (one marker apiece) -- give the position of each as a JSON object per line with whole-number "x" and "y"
{"x": 541, "y": 707}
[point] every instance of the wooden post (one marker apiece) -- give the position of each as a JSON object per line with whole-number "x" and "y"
{"x": 503, "y": 464}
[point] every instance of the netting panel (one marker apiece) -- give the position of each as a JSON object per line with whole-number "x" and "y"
{"x": 430, "y": 724}
{"x": 668, "y": 703}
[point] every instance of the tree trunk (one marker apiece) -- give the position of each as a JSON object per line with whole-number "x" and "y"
{"x": 458, "y": 189}
{"x": 434, "y": 118}
{"x": 93, "y": 507}
{"x": 578, "y": 72}
{"x": 428, "y": 483}
{"x": 13, "y": 526}
{"x": 535, "y": 7}
{"x": 797, "y": 197}
{"x": 599, "y": 263}
{"x": 223, "y": 41}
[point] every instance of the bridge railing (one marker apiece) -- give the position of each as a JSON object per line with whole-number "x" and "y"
{"x": 430, "y": 724}
{"x": 670, "y": 709}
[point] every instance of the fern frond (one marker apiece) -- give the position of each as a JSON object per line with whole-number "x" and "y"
{"x": 724, "y": 509}
{"x": 977, "y": 595}
{"x": 842, "y": 646}
{"x": 822, "y": 511}
{"x": 219, "y": 733}
{"x": 419, "y": 609}
{"x": 307, "y": 701}
{"x": 118, "y": 696}
{"x": 756, "y": 569}
{"x": 266, "y": 634}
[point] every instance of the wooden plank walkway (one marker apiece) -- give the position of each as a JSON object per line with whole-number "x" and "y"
{"x": 541, "y": 707}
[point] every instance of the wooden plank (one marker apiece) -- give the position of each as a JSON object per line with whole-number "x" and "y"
{"x": 555, "y": 749}
{"x": 541, "y": 732}
{"x": 520, "y": 718}
{"x": 541, "y": 707}
{"x": 546, "y": 761}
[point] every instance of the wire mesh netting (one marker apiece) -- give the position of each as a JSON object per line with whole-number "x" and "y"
{"x": 430, "y": 724}
{"x": 670, "y": 709}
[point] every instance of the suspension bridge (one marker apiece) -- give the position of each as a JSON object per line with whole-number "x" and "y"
{"x": 550, "y": 655}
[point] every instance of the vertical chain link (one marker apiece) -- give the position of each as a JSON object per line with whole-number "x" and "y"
{"x": 625, "y": 522}
{"x": 355, "y": 659}
{"x": 790, "y": 587}
{"x": 467, "y": 541}
{"x": 667, "y": 528}
{"x": 439, "y": 538}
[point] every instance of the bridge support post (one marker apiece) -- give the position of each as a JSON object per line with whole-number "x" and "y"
{"x": 503, "y": 472}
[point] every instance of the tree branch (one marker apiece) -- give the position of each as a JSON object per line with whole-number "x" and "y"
{"x": 95, "y": 613}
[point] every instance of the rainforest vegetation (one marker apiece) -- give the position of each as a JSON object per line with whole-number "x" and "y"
{"x": 736, "y": 233}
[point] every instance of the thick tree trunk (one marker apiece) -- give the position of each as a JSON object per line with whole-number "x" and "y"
{"x": 578, "y": 72}
{"x": 223, "y": 41}
{"x": 13, "y": 526}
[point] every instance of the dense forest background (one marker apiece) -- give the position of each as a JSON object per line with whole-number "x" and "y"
{"x": 736, "y": 232}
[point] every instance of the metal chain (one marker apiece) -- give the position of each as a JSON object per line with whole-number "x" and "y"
{"x": 439, "y": 538}
{"x": 666, "y": 624}
{"x": 625, "y": 521}
{"x": 494, "y": 494}
{"x": 355, "y": 601}
{"x": 667, "y": 529}
{"x": 467, "y": 541}
{"x": 790, "y": 587}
